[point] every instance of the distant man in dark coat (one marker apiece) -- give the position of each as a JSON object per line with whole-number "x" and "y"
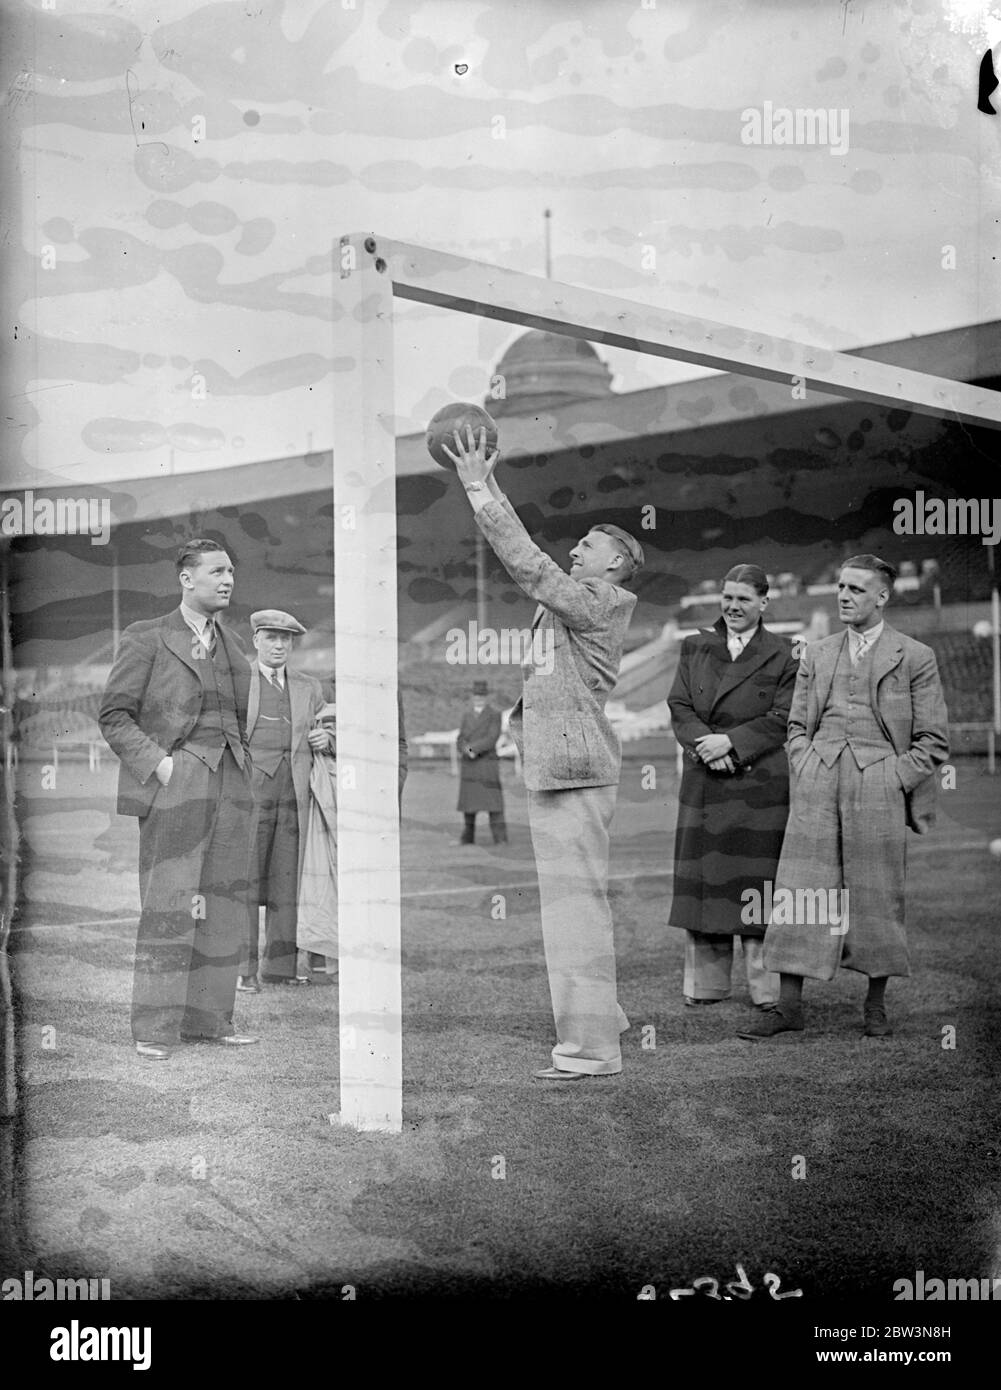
{"x": 479, "y": 767}
{"x": 281, "y": 717}
{"x": 729, "y": 709}
{"x": 571, "y": 757}
{"x": 175, "y": 712}
{"x": 867, "y": 729}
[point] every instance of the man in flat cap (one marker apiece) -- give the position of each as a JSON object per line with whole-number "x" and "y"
{"x": 175, "y": 712}
{"x": 571, "y": 757}
{"x": 280, "y": 722}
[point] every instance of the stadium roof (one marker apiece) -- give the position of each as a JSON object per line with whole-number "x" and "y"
{"x": 969, "y": 354}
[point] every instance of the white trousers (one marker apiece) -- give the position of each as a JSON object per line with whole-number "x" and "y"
{"x": 570, "y": 839}
{"x": 709, "y": 961}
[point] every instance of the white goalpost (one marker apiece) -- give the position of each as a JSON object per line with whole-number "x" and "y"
{"x": 373, "y": 271}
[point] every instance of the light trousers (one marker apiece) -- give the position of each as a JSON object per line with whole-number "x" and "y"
{"x": 709, "y": 962}
{"x": 570, "y": 838}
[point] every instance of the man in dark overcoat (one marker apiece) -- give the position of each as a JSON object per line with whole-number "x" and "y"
{"x": 729, "y": 706}
{"x": 479, "y": 767}
{"x": 175, "y": 712}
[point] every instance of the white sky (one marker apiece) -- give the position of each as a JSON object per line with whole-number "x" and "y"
{"x": 148, "y": 256}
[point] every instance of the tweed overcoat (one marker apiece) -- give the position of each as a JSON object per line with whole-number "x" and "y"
{"x": 907, "y": 699}
{"x": 867, "y": 857}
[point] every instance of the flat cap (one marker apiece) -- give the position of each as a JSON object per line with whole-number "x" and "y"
{"x": 276, "y": 619}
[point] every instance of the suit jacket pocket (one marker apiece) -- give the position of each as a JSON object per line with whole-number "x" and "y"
{"x": 578, "y": 754}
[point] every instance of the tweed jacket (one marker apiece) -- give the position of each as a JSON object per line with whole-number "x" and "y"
{"x": 153, "y": 699}
{"x": 560, "y": 721}
{"x": 907, "y": 700}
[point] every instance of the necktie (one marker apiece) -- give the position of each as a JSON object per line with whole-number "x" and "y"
{"x": 857, "y": 649}
{"x": 210, "y": 637}
{"x": 734, "y": 646}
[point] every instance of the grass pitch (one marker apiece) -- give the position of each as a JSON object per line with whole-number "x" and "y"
{"x": 836, "y": 1163}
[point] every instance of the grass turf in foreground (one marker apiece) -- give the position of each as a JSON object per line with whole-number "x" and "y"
{"x": 220, "y": 1175}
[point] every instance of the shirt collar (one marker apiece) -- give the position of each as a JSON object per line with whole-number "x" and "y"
{"x": 867, "y": 638}
{"x": 742, "y": 637}
{"x": 268, "y": 671}
{"x": 196, "y": 621}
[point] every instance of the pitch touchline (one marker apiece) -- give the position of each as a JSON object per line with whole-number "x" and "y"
{"x": 415, "y": 893}
{"x": 510, "y": 887}
{"x": 454, "y": 892}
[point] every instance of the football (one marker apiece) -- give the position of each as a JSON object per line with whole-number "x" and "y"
{"x": 450, "y": 418}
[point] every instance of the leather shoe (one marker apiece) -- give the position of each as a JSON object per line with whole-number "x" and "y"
{"x": 248, "y": 984}
{"x": 772, "y": 1022}
{"x": 691, "y": 1003}
{"x": 153, "y": 1052}
{"x": 559, "y": 1074}
{"x": 285, "y": 979}
{"x": 877, "y": 1025}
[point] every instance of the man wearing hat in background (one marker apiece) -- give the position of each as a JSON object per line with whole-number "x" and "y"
{"x": 479, "y": 767}
{"x": 282, "y": 709}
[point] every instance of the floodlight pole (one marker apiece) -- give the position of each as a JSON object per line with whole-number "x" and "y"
{"x": 366, "y": 669}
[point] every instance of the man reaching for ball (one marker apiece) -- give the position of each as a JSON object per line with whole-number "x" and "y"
{"x": 570, "y": 756}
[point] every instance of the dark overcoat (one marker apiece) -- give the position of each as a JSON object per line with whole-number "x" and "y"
{"x": 479, "y": 776}
{"x": 730, "y": 825}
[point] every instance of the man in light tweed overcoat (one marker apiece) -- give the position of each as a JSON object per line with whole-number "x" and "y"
{"x": 867, "y": 729}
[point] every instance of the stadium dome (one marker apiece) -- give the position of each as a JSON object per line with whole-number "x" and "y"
{"x": 543, "y": 370}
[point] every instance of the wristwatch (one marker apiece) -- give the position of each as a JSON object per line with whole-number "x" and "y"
{"x": 475, "y": 487}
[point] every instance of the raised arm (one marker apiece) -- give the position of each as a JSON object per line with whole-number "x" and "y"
{"x": 581, "y": 604}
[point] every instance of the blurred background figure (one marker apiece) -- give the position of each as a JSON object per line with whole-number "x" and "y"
{"x": 730, "y": 707}
{"x": 316, "y": 925}
{"x": 479, "y": 767}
